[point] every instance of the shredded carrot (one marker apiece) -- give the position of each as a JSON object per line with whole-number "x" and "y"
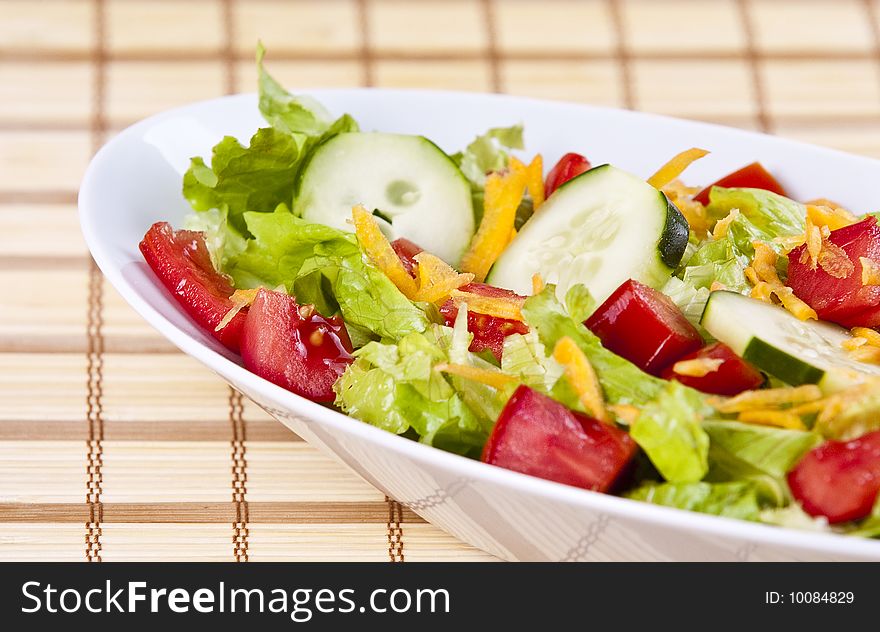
{"x": 830, "y": 214}
{"x": 854, "y": 343}
{"x": 723, "y": 225}
{"x": 489, "y": 377}
{"x": 870, "y": 271}
{"x": 581, "y": 376}
{"x": 501, "y": 199}
{"x": 809, "y": 408}
{"x": 698, "y": 367}
{"x": 240, "y": 299}
{"x": 509, "y": 308}
{"x": 717, "y": 286}
{"x": 868, "y": 354}
{"x": 770, "y": 397}
{"x": 378, "y": 249}
{"x": 535, "y": 180}
{"x": 871, "y": 336}
{"x": 437, "y": 279}
{"x": 675, "y": 167}
{"x": 537, "y": 283}
{"x": 777, "y": 418}
{"x": 763, "y": 268}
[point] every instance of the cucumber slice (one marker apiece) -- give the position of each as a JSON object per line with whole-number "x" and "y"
{"x": 417, "y": 191}
{"x": 599, "y": 229}
{"x": 797, "y": 352}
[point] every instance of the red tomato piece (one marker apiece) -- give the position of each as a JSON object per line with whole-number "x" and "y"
{"x": 293, "y": 346}
{"x": 537, "y": 435}
{"x": 568, "y": 167}
{"x": 406, "y": 252}
{"x": 841, "y": 300}
{"x": 733, "y": 376}
{"x": 644, "y": 326}
{"x": 489, "y": 331}
{"x": 181, "y": 261}
{"x": 839, "y": 479}
{"x": 752, "y": 176}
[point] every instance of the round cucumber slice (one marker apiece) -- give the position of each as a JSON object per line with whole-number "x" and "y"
{"x": 414, "y": 189}
{"x": 795, "y": 351}
{"x": 599, "y": 229}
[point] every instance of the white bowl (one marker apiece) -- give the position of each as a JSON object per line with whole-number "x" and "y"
{"x": 135, "y": 180}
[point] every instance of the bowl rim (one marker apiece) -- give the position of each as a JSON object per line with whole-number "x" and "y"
{"x": 89, "y": 209}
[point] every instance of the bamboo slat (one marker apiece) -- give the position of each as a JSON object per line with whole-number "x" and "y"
{"x": 93, "y": 400}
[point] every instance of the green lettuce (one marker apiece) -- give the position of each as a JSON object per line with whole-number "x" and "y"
{"x": 296, "y": 115}
{"x": 395, "y": 387}
{"x": 762, "y": 454}
{"x": 764, "y": 215}
{"x": 224, "y": 242}
{"x": 324, "y": 266}
{"x": 489, "y": 152}
{"x": 260, "y": 176}
{"x": 732, "y": 500}
{"x": 670, "y": 431}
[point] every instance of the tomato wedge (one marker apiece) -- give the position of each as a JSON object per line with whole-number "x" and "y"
{"x": 644, "y": 326}
{"x": 537, "y": 435}
{"x": 753, "y": 176}
{"x": 489, "y": 331}
{"x": 839, "y": 479}
{"x": 568, "y": 167}
{"x": 406, "y": 252}
{"x": 841, "y": 300}
{"x": 293, "y": 346}
{"x": 731, "y": 376}
{"x": 181, "y": 261}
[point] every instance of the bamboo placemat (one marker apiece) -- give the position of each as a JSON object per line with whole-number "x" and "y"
{"x": 113, "y": 445}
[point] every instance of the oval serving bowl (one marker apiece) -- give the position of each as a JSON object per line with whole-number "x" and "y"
{"x": 135, "y": 180}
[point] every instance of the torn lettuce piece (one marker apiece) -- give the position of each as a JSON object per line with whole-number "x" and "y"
{"x": 767, "y": 214}
{"x": 762, "y": 454}
{"x": 258, "y": 177}
{"x": 288, "y": 113}
{"x": 395, "y": 387}
{"x": 731, "y": 500}
{"x": 669, "y": 430}
{"x": 326, "y": 266}
{"x": 224, "y": 242}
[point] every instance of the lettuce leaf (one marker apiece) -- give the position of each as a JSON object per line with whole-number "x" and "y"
{"x": 762, "y": 454}
{"x": 324, "y": 266}
{"x": 763, "y": 215}
{"x": 294, "y": 115}
{"x": 488, "y": 152}
{"x": 259, "y": 177}
{"x": 394, "y": 387}
{"x": 732, "y": 500}
{"x": 670, "y": 432}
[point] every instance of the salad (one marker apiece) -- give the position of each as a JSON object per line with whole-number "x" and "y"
{"x": 711, "y": 349}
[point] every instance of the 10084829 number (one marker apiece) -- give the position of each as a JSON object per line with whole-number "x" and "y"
{"x": 821, "y": 597}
